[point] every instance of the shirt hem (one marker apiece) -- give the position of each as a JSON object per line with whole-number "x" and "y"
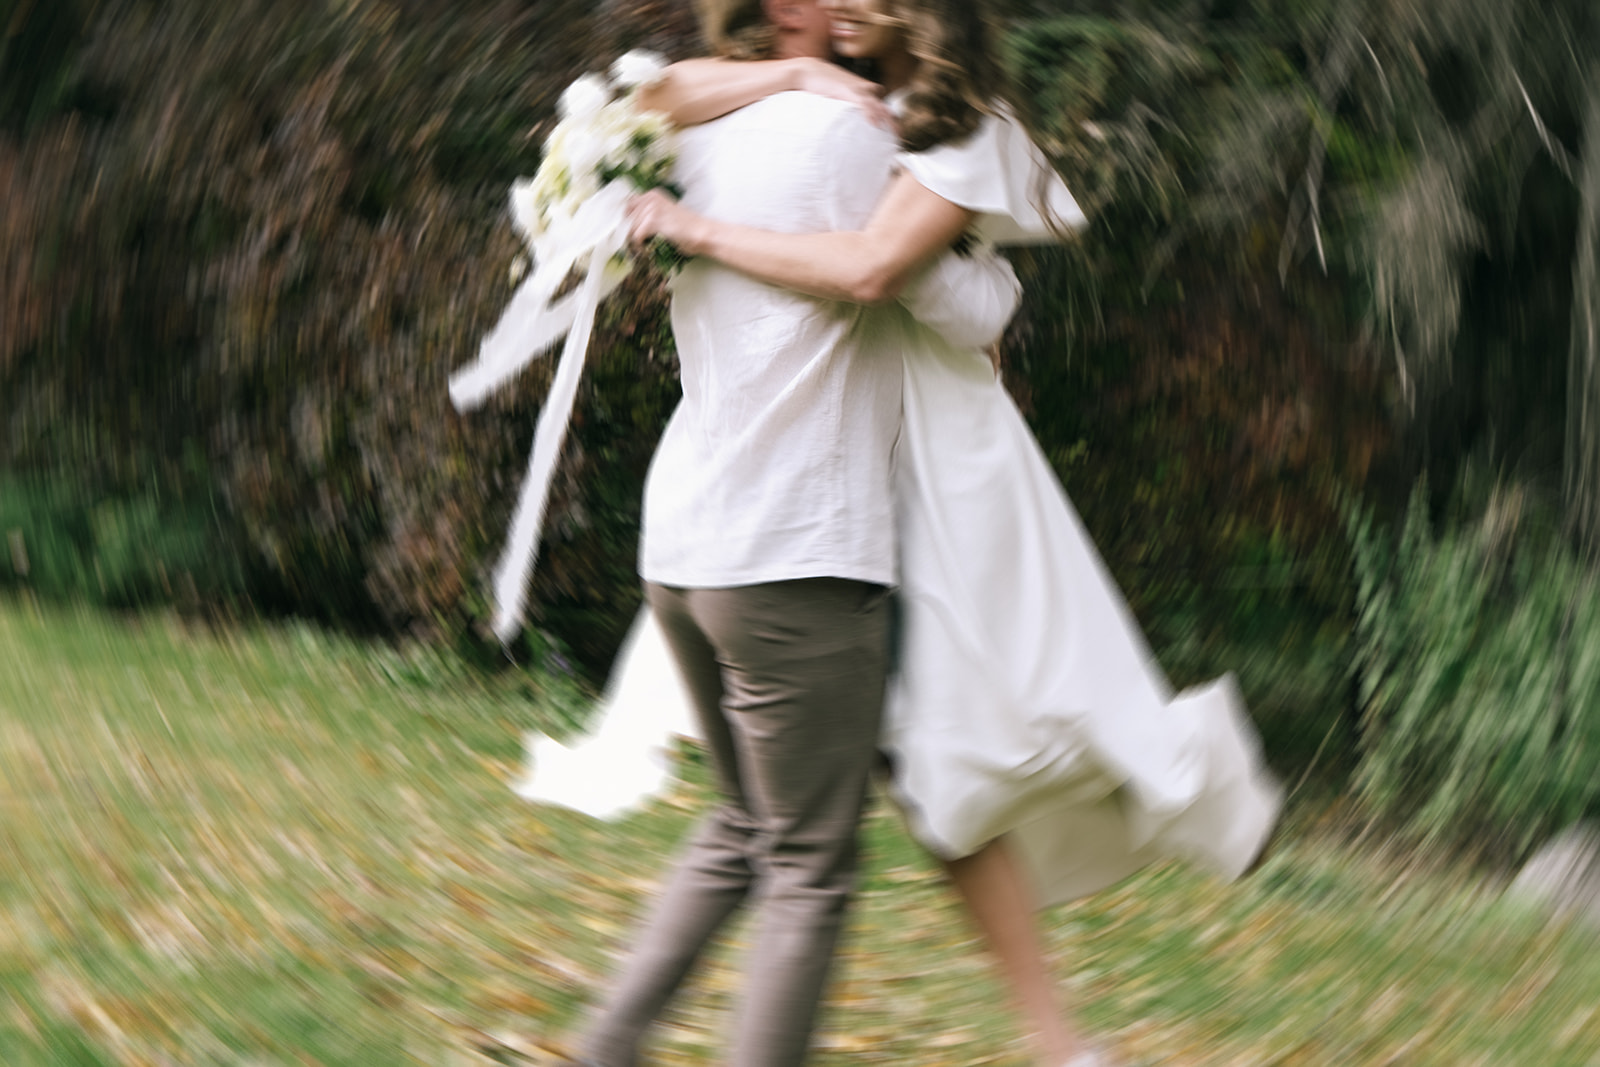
{"x": 689, "y": 579}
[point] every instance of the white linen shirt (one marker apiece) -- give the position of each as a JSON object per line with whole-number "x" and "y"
{"x": 776, "y": 464}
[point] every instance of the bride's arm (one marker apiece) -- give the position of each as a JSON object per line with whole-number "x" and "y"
{"x": 868, "y": 266}
{"x": 968, "y": 299}
{"x": 699, "y": 90}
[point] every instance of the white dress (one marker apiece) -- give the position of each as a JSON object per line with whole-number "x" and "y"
{"x": 1026, "y": 701}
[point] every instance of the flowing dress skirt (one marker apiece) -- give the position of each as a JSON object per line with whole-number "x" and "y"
{"x": 1026, "y": 701}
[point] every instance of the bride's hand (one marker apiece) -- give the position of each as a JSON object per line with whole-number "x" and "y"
{"x": 831, "y": 80}
{"x": 656, "y": 214}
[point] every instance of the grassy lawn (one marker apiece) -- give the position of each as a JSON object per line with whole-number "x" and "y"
{"x": 270, "y": 846}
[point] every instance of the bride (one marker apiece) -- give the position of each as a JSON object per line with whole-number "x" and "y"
{"x": 1036, "y": 747}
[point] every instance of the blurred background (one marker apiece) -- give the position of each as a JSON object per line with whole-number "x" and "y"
{"x": 1322, "y": 375}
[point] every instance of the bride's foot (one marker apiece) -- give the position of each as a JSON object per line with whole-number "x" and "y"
{"x": 1066, "y": 1046}
{"x": 1089, "y": 1058}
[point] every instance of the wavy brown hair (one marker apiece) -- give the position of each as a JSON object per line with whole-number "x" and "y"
{"x": 958, "y": 79}
{"x": 737, "y": 29}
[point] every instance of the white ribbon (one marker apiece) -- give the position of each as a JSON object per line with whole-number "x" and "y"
{"x": 531, "y": 324}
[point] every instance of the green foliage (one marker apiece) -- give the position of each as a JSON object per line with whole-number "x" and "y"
{"x": 1433, "y": 159}
{"x": 1090, "y": 87}
{"x": 36, "y": 49}
{"x": 1417, "y": 147}
{"x": 1478, "y": 665}
{"x": 120, "y": 551}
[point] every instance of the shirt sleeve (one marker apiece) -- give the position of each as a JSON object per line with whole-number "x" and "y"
{"x": 1000, "y": 174}
{"x": 965, "y": 299}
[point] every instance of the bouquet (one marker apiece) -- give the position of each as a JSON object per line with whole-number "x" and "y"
{"x": 573, "y": 217}
{"x": 604, "y": 147}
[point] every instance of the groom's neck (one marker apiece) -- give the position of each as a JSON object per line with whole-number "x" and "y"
{"x": 797, "y": 46}
{"x": 798, "y": 53}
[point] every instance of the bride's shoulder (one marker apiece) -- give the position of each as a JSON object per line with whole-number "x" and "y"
{"x": 1000, "y": 174}
{"x": 966, "y": 159}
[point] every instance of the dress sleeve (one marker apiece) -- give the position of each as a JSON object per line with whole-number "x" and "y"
{"x": 999, "y": 173}
{"x": 968, "y": 300}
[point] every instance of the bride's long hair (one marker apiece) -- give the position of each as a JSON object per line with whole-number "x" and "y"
{"x": 958, "y": 78}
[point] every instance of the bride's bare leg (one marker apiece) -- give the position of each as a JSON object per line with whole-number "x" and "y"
{"x": 1002, "y": 904}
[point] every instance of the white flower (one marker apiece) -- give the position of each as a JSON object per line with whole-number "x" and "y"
{"x": 615, "y": 127}
{"x": 527, "y": 209}
{"x": 557, "y": 153}
{"x": 551, "y": 183}
{"x": 584, "y": 98}
{"x": 585, "y": 149}
{"x": 619, "y": 116}
{"x": 584, "y": 185}
{"x": 638, "y": 69}
{"x": 657, "y": 127}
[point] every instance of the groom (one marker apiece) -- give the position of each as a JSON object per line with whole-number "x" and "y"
{"x": 767, "y": 552}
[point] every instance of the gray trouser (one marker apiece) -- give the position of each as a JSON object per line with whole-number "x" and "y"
{"x": 787, "y": 680}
